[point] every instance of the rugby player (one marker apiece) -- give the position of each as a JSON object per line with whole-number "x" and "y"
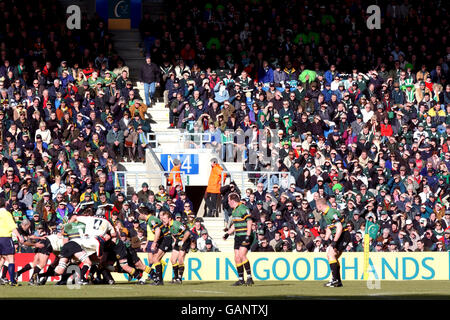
{"x": 161, "y": 245}
{"x": 337, "y": 235}
{"x": 97, "y": 232}
{"x": 42, "y": 251}
{"x": 73, "y": 232}
{"x": 153, "y": 228}
{"x": 128, "y": 259}
{"x": 52, "y": 244}
{"x": 242, "y": 229}
{"x": 181, "y": 236}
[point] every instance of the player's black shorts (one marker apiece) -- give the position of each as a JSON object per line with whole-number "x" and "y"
{"x": 238, "y": 240}
{"x": 185, "y": 247}
{"x": 132, "y": 256}
{"x": 47, "y": 249}
{"x": 343, "y": 241}
{"x": 69, "y": 249}
{"x": 117, "y": 251}
{"x": 165, "y": 244}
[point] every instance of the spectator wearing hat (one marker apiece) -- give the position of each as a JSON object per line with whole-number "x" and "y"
{"x": 139, "y": 108}
{"x": 183, "y": 202}
{"x": 144, "y": 193}
{"x": 25, "y": 197}
{"x": 204, "y": 237}
{"x": 115, "y": 139}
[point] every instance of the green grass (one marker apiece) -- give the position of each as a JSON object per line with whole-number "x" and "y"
{"x": 271, "y": 290}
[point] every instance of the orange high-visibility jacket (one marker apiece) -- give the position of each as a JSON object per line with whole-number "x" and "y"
{"x": 214, "y": 179}
{"x": 175, "y": 176}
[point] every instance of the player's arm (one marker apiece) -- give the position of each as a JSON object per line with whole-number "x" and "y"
{"x": 249, "y": 227}
{"x": 186, "y": 236}
{"x": 111, "y": 230}
{"x": 338, "y": 233}
{"x": 327, "y": 234}
{"x": 18, "y": 235}
{"x": 249, "y": 231}
{"x": 157, "y": 236}
{"x": 229, "y": 232}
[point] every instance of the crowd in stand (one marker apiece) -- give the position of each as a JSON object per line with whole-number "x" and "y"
{"x": 358, "y": 116}
{"x": 68, "y": 115}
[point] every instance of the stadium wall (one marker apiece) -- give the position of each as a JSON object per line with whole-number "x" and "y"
{"x": 299, "y": 266}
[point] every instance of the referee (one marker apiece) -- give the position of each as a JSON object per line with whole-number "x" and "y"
{"x": 7, "y": 228}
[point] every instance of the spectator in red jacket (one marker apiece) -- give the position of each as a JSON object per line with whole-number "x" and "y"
{"x": 386, "y": 128}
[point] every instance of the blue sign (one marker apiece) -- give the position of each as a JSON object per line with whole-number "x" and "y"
{"x": 189, "y": 162}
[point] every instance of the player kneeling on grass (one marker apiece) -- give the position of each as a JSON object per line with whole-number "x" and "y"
{"x": 337, "y": 236}
{"x": 182, "y": 243}
{"x": 128, "y": 259}
{"x": 242, "y": 229}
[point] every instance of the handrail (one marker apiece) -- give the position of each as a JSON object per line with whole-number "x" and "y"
{"x": 121, "y": 179}
{"x": 155, "y": 138}
{"x": 259, "y": 175}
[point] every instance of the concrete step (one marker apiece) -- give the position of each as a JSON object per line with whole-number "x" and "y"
{"x": 126, "y": 34}
{"x": 132, "y": 55}
{"x": 133, "y": 166}
{"x": 215, "y": 228}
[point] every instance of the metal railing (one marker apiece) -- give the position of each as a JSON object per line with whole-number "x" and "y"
{"x": 192, "y": 140}
{"x": 268, "y": 178}
{"x": 123, "y": 179}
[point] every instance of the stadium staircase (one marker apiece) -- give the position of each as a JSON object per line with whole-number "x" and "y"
{"x": 126, "y": 43}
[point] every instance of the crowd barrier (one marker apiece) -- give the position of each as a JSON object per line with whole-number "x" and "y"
{"x": 217, "y": 266}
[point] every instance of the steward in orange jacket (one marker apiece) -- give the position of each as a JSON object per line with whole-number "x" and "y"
{"x": 213, "y": 189}
{"x": 214, "y": 177}
{"x": 174, "y": 176}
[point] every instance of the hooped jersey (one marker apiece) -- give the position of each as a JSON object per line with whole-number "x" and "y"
{"x": 165, "y": 230}
{"x": 332, "y": 217}
{"x": 178, "y": 230}
{"x": 153, "y": 223}
{"x": 74, "y": 230}
{"x": 240, "y": 216}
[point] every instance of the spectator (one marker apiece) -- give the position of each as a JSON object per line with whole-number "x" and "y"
{"x": 212, "y": 194}
{"x": 150, "y": 76}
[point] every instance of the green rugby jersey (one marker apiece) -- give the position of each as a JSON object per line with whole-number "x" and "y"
{"x": 153, "y": 222}
{"x": 74, "y": 230}
{"x": 165, "y": 230}
{"x": 331, "y": 217}
{"x": 240, "y": 216}
{"x": 178, "y": 230}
